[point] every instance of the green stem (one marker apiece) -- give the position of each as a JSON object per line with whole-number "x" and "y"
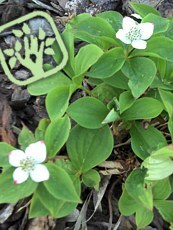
{"x": 130, "y": 51}
{"x": 87, "y": 91}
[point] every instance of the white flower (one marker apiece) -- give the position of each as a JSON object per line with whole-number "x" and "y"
{"x": 135, "y": 33}
{"x": 28, "y": 163}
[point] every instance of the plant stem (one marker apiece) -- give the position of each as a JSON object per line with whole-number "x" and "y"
{"x": 87, "y": 91}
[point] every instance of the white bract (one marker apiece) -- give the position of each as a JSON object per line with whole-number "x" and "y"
{"x": 135, "y": 33}
{"x": 28, "y": 163}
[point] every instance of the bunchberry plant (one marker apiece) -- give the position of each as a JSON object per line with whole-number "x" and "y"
{"x": 124, "y": 76}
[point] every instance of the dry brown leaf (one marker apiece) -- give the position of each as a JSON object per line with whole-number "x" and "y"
{"x": 42, "y": 223}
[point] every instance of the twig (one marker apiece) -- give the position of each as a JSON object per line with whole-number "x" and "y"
{"x": 45, "y": 6}
{"x": 167, "y": 134}
{"x": 110, "y": 204}
{"x": 118, "y": 223}
{"x": 124, "y": 143}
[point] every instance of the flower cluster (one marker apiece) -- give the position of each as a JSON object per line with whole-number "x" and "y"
{"x": 28, "y": 163}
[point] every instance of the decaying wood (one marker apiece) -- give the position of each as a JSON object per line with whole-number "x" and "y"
{"x": 6, "y": 133}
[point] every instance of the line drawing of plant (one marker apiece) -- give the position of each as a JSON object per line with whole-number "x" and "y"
{"x": 33, "y": 46}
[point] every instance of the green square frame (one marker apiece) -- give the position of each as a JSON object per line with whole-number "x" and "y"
{"x": 58, "y": 40}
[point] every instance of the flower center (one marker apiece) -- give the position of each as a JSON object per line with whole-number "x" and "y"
{"x": 134, "y": 34}
{"x": 27, "y": 164}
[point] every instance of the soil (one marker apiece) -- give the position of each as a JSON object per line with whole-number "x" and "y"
{"x": 18, "y": 107}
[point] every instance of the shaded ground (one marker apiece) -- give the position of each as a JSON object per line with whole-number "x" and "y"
{"x": 17, "y": 107}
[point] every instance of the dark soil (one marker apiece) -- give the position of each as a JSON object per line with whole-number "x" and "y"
{"x": 18, "y": 108}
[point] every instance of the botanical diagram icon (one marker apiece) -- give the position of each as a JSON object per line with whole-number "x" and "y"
{"x": 32, "y": 46}
{"x": 30, "y": 49}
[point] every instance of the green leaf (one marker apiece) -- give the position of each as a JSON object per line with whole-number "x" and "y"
{"x": 12, "y": 62}
{"x": 137, "y": 188}
{"x": 159, "y": 83}
{"x": 143, "y": 108}
{"x": 49, "y": 41}
{"x": 126, "y": 100}
{"x": 127, "y": 205}
{"x": 9, "y": 52}
{"x": 169, "y": 32}
{"x": 112, "y": 17}
{"x": 167, "y": 98}
{"x": 118, "y": 80}
{"x": 88, "y": 112}
{"x": 26, "y": 137}
{"x": 26, "y": 29}
{"x": 49, "y": 51}
{"x": 87, "y": 148}
{"x": 141, "y": 72}
{"x": 60, "y": 184}
{"x": 58, "y": 54}
{"x": 17, "y": 33}
{"x": 108, "y": 64}
{"x": 111, "y": 117}
{"x": 95, "y": 26}
{"x": 143, "y": 9}
{"x": 93, "y": 30}
{"x": 86, "y": 57}
{"x": 146, "y": 140}
{"x": 161, "y": 65}
{"x": 105, "y": 92}
{"x": 68, "y": 40}
{"x": 159, "y": 165}
{"x": 161, "y": 189}
{"x": 56, "y": 135}
{"x": 94, "y": 81}
{"x": 171, "y": 226}
{"x": 57, "y": 101}
{"x": 41, "y": 129}
{"x": 58, "y": 207}
{"x": 45, "y": 85}
{"x": 41, "y": 34}
{"x": 143, "y": 217}
{"x": 165, "y": 208}
{"x": 4, "y": 150}
{"x": 160, "y": 47}
{"x": 37, "y": 209}
{"x": 91, "y": 179}
{"x": 18, "y": 46}
{"x": 160, "y": 24}
{"x": 12, "y": 193}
